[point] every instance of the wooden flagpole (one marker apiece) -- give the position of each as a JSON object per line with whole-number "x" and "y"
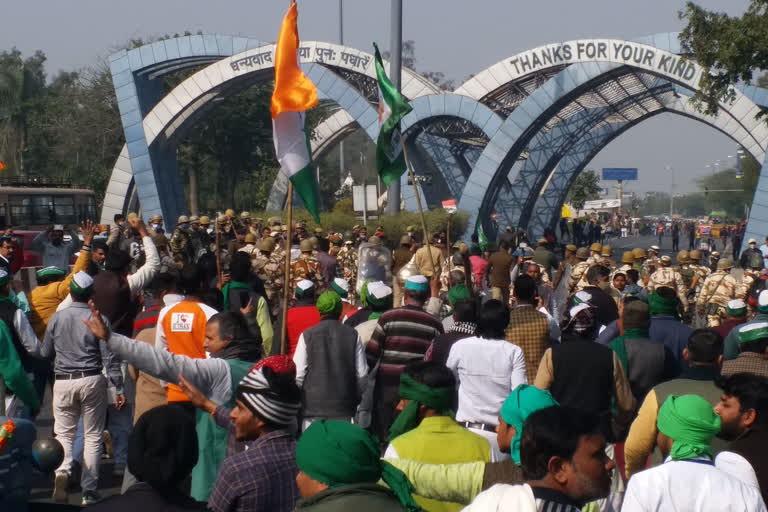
{"x": 427, "y": 240}
{"x": 287, "y": 275}
{"x": 218, "y": 249}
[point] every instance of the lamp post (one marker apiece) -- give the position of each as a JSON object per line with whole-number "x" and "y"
{"x": 395, "y": 66}
{"x": 341, "y": 42}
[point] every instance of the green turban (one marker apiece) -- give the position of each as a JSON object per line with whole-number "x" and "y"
{"x": 691, "y": 423}
{"x": 338, "y": 453}
{"x": 521, "y": 403}
{"x": 329, "y": 303}
{"x": 658, "y": 305}
{"x": 457, "y": 293}
{"x": 364, "y": 293}
{"x": 420, "y": 394}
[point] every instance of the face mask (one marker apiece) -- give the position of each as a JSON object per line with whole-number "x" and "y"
{"x": 185, "y": 226}
{"x": 156, "y": 227}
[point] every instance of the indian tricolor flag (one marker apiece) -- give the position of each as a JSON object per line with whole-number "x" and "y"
{"x": 390, "y": 159}
{"x": 294, "y": 94}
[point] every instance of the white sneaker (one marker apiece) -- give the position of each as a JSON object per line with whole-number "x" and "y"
{"x": 60, "y": 487}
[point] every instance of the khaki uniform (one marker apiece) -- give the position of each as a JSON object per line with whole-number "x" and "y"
{"x": 649, "y": 267}
{"x": 717, "y": 291}
{"x": 578, "y": 275}
{"x": 703, "y": 272}
{"x": 347, "y": 259}
{"x": 271, "y": 270}
{"x": 666, "y": 276}
{"x": 750, "y": 276}
{"x": 307, "y": 267}
{"x": 595, "y": 259}
{"x": 421, "y": 259}
{"x": 180, "y": 245}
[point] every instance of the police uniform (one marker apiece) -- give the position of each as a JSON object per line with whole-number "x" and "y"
{"x": 718, "y": 289}
{"x": 347, "y": 259}
{"x": 306, "y": 266}
{"x": 667, "y": 277}
{"x": 578, "y": 274}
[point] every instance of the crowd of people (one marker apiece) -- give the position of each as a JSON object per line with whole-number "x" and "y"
{"x": 434, "y": 376}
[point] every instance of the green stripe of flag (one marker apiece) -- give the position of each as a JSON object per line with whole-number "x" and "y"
{"x": 390, "y": 160}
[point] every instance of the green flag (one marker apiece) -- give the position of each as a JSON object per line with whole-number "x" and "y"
{"x": 390, "y": 160}
{"x": 481, "y": 238}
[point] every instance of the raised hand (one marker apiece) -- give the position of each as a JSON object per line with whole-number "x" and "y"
{"x": 197, "y": 398}
{"x": 96, "y": 323}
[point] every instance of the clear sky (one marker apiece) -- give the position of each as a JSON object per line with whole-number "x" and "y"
{"x": 452, "y": 36}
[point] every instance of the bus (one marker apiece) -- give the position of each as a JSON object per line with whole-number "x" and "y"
{"x": 35, "y": 203}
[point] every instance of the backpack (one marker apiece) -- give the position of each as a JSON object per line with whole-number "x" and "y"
{"x": 687, "y": 273}
{"x": 758, "y": 286}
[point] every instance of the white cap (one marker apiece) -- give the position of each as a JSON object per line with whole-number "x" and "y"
{"x": 343, "y": 284}
{"x": 83, "y": 279}
{"x": 305, "y": 284}
{"x": 58, "y": 227}
{"x": 583, "y": 296}
{"x": 736, "y": 304}
{"x": 379, "y": 290}
{"x": 752, "y": 241}
{"x": 576, "y": 309}
{"x": 655, "y": 248}
{"x": 762, "y": 299}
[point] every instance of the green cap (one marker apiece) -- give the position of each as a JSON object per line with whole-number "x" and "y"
{"x": 49, "y": 272}
{"x": 753, "y": 332}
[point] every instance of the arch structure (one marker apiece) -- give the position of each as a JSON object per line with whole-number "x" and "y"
{"x": 154, "y": 123}
{"x": 506, "y": 145}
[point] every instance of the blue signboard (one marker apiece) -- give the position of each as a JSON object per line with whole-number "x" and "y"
{"x": 619, "y": 174}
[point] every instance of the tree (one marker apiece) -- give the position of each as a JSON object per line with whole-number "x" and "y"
{"x": 585, "y": 188}
{"x": 729, "y": 48}
{"x": 21, "y": 84}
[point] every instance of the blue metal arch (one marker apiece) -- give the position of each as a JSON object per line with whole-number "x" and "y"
{"x": 521, "y": 126}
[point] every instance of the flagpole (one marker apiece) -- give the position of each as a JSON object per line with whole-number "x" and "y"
{"x": 218, "y": 248}
{"x": 418, "y": 203}
{"x": 287, "y": 275}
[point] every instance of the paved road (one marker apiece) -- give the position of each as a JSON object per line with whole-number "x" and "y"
{"x": 42, "y": 489}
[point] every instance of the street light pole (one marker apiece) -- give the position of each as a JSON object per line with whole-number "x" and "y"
{"x": 341, "y": 42}
{"x": 672, "y": 191}
{"x": 395, "y": 66}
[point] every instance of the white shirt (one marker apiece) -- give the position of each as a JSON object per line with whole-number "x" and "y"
{"x": 736, "y": 465}
{"x": 487, "y": 371}
{"x": 682, "y": 486}
{"x": 300, "y": 360}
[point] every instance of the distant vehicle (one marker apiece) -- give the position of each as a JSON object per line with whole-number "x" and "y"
{"x": 34, "y": 203}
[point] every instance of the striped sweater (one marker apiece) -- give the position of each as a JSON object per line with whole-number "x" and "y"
{"x": 402, "y": 335}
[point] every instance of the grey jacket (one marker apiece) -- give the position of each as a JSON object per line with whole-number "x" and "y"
{"x": 75, "y": 347}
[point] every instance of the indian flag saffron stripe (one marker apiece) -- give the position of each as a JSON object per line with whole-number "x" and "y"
{"x": 390, "y": 160}
{"x": 294, "y": 94}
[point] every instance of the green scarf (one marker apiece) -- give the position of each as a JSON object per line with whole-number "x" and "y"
{"x": 236, "y": 285}
{"x": 658, "y": 305}
{"x": 691, "y": 423}
{"x": 338, "y": 453}
{"x": 419, "y": 394}
{"x": 521, "y": 403}
{"x": 618, "y": 346}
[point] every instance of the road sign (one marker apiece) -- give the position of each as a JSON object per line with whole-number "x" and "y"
{"x": 619, "y": 173}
